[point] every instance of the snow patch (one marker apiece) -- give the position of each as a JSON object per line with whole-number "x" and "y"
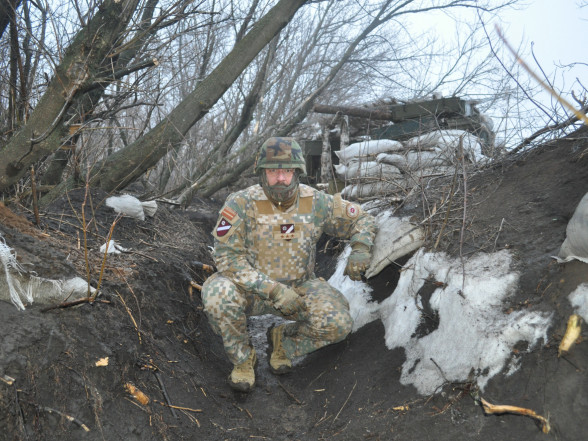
{"x": 473, "y": 334}
{"x": 579, "y": 300}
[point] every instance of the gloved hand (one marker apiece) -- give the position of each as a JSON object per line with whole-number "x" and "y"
{"x": 287, "y": 300}
{"x": 358, "y": 261}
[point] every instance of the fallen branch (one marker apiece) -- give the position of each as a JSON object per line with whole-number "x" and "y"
{"x": 164, "y": 392}
{"x": 500, "y": 409}
{"x": 66, "y": 416}
{"x": 74, "y": 303}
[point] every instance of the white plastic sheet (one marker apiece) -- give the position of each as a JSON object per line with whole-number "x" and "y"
{"x": 575, "y": 245}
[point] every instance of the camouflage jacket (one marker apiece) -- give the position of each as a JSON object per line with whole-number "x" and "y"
{"x": 257, "y": 245}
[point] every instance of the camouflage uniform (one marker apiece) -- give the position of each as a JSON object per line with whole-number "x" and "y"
{"x": 257, "y": 245}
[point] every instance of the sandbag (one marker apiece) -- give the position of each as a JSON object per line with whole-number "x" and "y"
{"x": 396, "y": 237}
{"x": 394, "y": 159}
{"x": 370, "y": 169}
{"x": 368, "y": 149}
{"x": 380, "y": 188}
{"x": 575, "y": 245}
{"x": 448, "y": 141}
{"x": 418, "y": 160}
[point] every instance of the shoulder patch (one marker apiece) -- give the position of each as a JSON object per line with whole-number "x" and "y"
{"x": 228, "y": 213}
{"x": 223, "y": 227}
{"x": 352, "y": 211}
{"x": 226, "y": 225}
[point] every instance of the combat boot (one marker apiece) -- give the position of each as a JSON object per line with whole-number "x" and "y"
{"x": 279, "y": 362}
{"x": 242, "y": 377}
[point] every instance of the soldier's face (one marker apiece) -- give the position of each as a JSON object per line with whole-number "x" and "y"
{"x": 279, "y": 176}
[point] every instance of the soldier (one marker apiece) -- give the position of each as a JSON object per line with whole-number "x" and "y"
{"x": 265, "y": 241}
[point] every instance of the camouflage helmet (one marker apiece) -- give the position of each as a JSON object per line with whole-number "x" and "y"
{"x": 279, "y": 152}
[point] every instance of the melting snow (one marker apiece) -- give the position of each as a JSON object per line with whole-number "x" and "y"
{"x": 473, "y": 335}
{"x": 579, "y": 299}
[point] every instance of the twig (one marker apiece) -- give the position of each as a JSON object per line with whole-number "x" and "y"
{"x": 465, "y": 205}
{"x": 34, "y": 193}
{"x": 130, "y": 315}
{"x": 8, "y": 380}
{"x": 451, "y": 194}
{"x": 105, "y": 254}
{"x": 500, "y": 409}
{"x": 74, "y": 303}
{"x": 498, "y": 234}
{"x": 66, "y": 416}
{"x": 19, "y": 407}
{"x": 349, "y": 396}
{"x": 557, "y": 96}
{"x": 289, "y": 393}
{"x": 164, "y": 392}
{"x": 551, "y": 128}
{"x": 84, "y": 231}
{"x": 177, "y": 407}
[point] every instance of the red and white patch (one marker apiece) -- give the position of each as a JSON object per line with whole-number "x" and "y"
{"x": 229, "y": 213}
{"x": 287, "y": 231}
{"x": 352, "y": 211}
{"x": 287, "y": 228}
{"x": 223, "y": 227}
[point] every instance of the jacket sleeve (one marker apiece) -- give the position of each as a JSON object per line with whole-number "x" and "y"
{"x": 347, "y": 220}
{"x": 231, "y": 253}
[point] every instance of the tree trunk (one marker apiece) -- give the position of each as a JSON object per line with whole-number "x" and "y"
{"x": 86, "y": 103}
{"x": 43, "y": 131}
{"x": 129, "y": 163}
{"x": 7, "y": 8}
{"x": 220, "y": 151}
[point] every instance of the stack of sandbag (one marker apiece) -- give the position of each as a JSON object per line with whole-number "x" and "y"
{"x": 363, "y": 174}
{"x": 374, "y": 168}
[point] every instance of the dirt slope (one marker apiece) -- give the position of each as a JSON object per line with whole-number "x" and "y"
{"x": 156, "y": 337}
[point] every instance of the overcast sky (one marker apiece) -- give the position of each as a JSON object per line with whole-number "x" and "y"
{"x": 559, "y": 31}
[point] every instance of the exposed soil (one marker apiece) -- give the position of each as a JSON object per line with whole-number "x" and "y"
{"x": 151, "y": 327}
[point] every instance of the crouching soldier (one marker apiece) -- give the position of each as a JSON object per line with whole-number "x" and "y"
{"x": 265, "y": 241}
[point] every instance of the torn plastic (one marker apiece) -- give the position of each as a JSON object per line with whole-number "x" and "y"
{"x": 113, "y": 248}
{"x": 20, "y": 288}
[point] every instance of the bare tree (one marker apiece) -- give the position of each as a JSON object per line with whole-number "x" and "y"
{"x": 129, "y": 163}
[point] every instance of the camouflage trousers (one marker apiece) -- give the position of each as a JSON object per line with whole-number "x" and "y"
{"x": 327, "y": 319}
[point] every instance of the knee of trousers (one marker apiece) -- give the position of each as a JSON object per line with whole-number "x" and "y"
{"x": 334, "y": 326}
{"x": 222, "y": 300}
